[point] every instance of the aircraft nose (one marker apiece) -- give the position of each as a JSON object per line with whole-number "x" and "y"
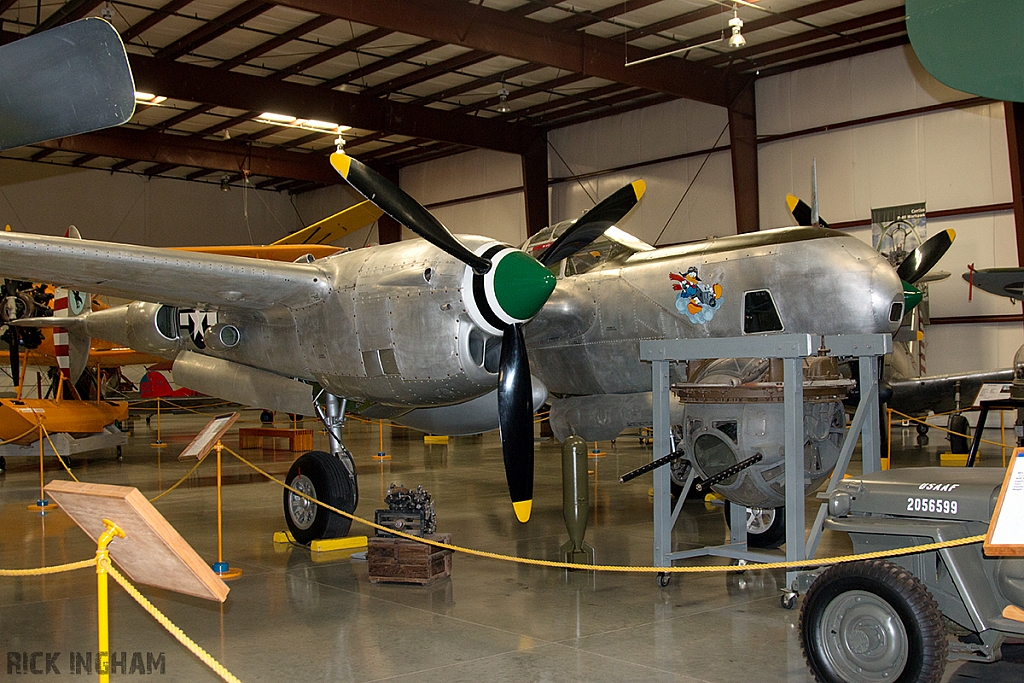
{"x": 521, "y": 285}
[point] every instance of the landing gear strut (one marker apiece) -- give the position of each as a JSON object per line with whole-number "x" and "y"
{"x": 327, "y": 477}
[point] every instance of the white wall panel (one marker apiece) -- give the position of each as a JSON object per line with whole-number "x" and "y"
{"x": 503, "y": 218}
{"x": 963, "y": 348}
{"x": 463, "y": 175}
{"x": 878, "y": 83}
{"x": 153, "y": 211}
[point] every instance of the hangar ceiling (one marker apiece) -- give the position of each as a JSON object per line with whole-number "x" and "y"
{"x": 416, "y": 80}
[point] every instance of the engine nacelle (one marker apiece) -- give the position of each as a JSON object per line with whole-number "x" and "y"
{"x": 153, "y": 328}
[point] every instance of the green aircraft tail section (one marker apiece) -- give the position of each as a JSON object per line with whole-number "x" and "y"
{"x": 976, "y": 46}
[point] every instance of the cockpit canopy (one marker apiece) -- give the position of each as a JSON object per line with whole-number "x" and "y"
{"x": 610, "y": 249}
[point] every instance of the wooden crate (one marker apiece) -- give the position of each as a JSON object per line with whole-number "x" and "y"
{"x": 298, "y": 439}
{"x": 397, "y": 560}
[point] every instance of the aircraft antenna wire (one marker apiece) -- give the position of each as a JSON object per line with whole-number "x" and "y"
{"x": 692, "y": 181}
{"x": 574, "y": 175}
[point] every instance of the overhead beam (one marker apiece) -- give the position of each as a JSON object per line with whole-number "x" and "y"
{"x": 478, "y": 27}
{"x": 228, "y": 156}
{"x": 253, "y": 93}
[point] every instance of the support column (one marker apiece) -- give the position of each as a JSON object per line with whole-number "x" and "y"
{"x": 535, "y": 184}
{"x": 743, "y": 148}
{"x": 388, "y": 229}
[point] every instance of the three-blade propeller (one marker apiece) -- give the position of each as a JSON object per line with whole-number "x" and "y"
{"x": 518, "y": 285}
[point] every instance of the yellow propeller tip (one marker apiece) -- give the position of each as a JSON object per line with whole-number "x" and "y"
{"x": 523, "y": 508}
{"x": 341, "y": 163}
{"x": 791, "y": 201}
{"x": 639, "y": 187}
{"x": 952, "y": 234}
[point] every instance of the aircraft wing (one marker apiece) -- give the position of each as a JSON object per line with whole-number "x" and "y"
{"x": 937, "y": 393}
{"x": 999, "y": 281}
{"x": 161, "y": 275}
{"x": 333, "y": 227}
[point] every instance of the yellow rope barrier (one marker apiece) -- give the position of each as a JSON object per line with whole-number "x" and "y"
{"x": 20, "y": 436}
{"x": 623, "y": 568}
{"x": 59, "y": 458}
{"x": 178, "y": 483}
{"x": 943, "y": 429}
{"x": 171, "y": 628}
{"x": 54, "y": 569}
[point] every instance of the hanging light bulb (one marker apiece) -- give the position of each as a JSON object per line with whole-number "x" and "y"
{"x": 736, "y": 24}
{"x": 503, "y": 101}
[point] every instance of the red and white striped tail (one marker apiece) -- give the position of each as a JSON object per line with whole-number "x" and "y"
{"x": 60, "y": 335}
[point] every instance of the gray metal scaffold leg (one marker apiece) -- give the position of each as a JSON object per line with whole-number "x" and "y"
{"x": 791, "y": 348}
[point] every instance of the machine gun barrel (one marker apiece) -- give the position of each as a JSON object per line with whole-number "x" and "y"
{"x": 653, "y": 465}
{"x": 706, "y": 484}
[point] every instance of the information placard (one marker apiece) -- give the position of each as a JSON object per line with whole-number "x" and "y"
{"x": 208, "y": 437}
{"x": 1006, "y": 529}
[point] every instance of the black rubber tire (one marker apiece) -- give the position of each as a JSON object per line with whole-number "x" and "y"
{"x": 323, "y": 477}
{"x": 922, "y": 428}
{"x": 958, "y": 443}
{"x": 770, "y": 537}
{"x": 664, "y": 579}
{"x": 860, "y": 620}
{"x": 3, "y": 464}
{"x": 267, "y": 416}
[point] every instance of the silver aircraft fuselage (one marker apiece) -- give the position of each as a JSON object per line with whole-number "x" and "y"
{"x": 586, "y": 339}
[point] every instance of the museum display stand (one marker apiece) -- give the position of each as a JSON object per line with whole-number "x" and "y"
{"x": 791, "y": 349}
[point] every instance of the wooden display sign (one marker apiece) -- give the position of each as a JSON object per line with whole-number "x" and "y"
{"x": 1006, "y": 530}
{"x": 209, "y": 436}
{"x": 152, "y": 551}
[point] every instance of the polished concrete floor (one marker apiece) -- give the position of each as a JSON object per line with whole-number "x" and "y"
{"x": 291, "y": 616}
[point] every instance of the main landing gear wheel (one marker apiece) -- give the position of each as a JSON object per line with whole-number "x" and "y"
{"x": 959, "y": 441}
{"x": 321, "y": 476}
{"x": 872, "y": 621}
{"x": 766, "y": 527}
{"x": 3, "y": 464}
{"x": 663, "y": 579}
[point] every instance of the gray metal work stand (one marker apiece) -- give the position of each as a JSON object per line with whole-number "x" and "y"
{"x": 791, "y": 348}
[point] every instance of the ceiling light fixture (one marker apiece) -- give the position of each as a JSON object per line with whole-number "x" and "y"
{"x": 503, "y": 101}
{"x": 148, "y": 98}
{"x": 287, "y": 121}
{"x": 736, "y": 24}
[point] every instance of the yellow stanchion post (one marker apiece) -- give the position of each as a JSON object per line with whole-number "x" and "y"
{"x": 42, "y": 504}
{"x": 158, "y": 443}
{"x": 1002, "y": 435}
{"x": 102, "y": 618}
{"x": 220, "y": 566}
{"x": 888, "y": 442}
{"x": 381, "y": 455}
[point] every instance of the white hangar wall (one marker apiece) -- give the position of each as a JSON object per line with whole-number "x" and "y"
{"x": 124, "y": 207}
{"x": 949, "y": 158}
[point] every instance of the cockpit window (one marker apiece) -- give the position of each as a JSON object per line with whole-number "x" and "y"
{"x": 614, "y": 246}
{"x": 759, "y": 313}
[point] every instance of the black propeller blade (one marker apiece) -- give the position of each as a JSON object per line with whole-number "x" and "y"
{"x": 924, "y": 258}
{"x": 404, "y": 209}
{"x": 801, "y": 212}
{"x": 515, "y": 416}
{"x": 593, "y": 224}
{"x": 520, "y": 287}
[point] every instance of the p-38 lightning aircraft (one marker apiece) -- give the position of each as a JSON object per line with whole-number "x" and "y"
{"x": 410, "y": 325}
